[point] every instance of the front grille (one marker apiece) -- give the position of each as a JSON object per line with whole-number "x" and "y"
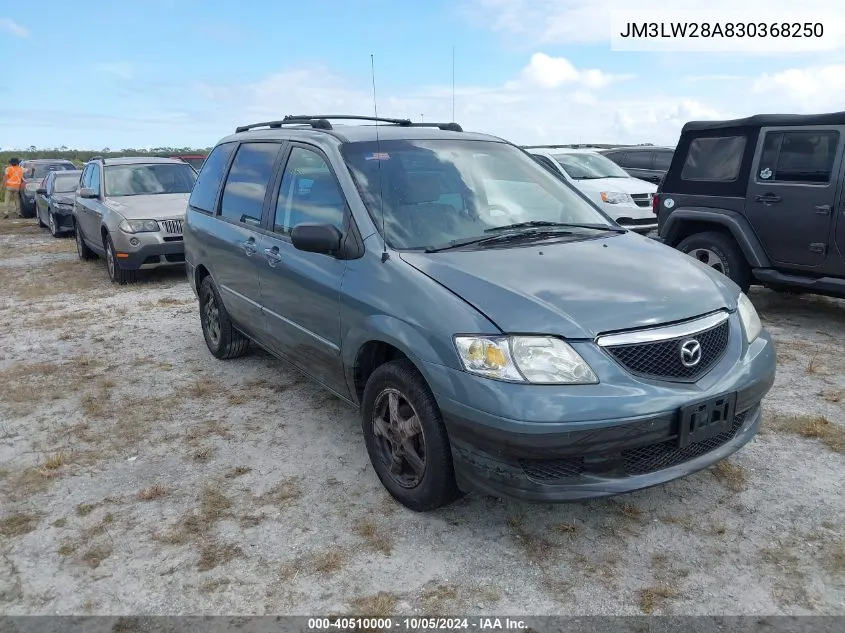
{"x": 637, "y": 221}
{"x": 627, "y": 462}
{"x": 662, "y": 359}
{"x": 642, "y": 199}
{"x": 174, "y": 227}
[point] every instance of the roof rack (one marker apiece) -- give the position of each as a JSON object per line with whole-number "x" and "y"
{"x": 322, "y": 122}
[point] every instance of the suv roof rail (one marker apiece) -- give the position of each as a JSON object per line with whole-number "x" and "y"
{"x": 322, "y": 122}
{"x": 99, "y": 158}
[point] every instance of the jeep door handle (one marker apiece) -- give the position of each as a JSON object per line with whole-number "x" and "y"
{"x": 249, "y": 247}
{"x": 273, "y": 255}
{"x": 768, "y": 198}
{"x": 823, "y": 209}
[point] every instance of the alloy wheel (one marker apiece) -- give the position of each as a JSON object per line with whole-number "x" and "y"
{"x": 110, "y": 260}
{"x": 212, "y": 316}
{"x": 399, "y": 438}
{"x": 709, "y": 258}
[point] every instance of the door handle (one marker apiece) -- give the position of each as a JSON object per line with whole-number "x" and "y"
{"x": 249, "y": 246}
{"x": 768, "y": 198}
{"x": 823, "y": 209}
{"x": 273, "y": 255}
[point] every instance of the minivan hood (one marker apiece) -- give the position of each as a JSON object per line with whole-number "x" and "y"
{"x": 160, "y": 206}
{"x": 580, "y": 289}
{"x": 620, "y": 185}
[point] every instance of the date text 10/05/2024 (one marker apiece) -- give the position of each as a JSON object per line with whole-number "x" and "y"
{"x": 416, "y": 624}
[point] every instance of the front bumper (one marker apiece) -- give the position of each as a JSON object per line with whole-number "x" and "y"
{"x": 153, "y": 250}
{"x": 594, "y": 440}
{"x": 64, "y": 217}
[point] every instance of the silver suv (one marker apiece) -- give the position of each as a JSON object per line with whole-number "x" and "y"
{"x": 130, "y": 211}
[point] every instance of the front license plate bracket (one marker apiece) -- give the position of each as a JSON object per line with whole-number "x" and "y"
{"x": 702, "y": 420}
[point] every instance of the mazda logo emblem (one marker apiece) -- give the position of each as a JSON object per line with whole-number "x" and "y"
{"x": 690, "y": 353}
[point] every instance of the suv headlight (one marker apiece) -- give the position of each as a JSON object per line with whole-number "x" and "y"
{"x": 138, "y": 226}
{"x": 533, "y": 359}
{"x": 748, "y": 315}
{"x": 615, "y": 197}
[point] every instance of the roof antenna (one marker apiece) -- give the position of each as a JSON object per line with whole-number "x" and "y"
{"x": 384, "y": 254}
{"x": 453, "y": 82}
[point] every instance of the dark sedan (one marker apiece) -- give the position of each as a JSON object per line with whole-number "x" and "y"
{"x": 34, "y": 172}
{"x": 54, "y": 201}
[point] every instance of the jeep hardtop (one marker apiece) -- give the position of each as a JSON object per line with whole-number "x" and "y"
{"x": 761, "y": 200}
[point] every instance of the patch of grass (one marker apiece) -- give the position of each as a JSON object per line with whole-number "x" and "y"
{"x": 18, "y": 524}
{"x": 153, "y": 492}
{"x": 67, "y": 549}
{"x": 59, "y": 523}
{"x": 631, "y": 512}
{"x": 96, "y": 554}
{"x": 56, "y": 461}
{"x": 214, "y": 505}
{"x": 836, "y": 558}
{"x": 652, "y": 597}
{"x": 537, "y": 547}
{"x": 238, "y": 471}
{"x": 165, "y": 302}
{"x": 374, "y": 539}
{"x": 84, "y": 509}
{"x": 238, "y": 398}
{"x": 215, "y": 584}
{"x": 684, "y": 521}
{"x": 566, "y": 528}
{"x": 202, "y": 454}
{"x": 438, "y": 599}
{"x": 832, "y": 395}
{"x": 207, "y": 429}
{"x": 731, "y": 476}
{"x": 213, "y": 554}
{"x": 203, "y": 388}
{"x": 382, "y": 604}
{"x": 329, "y": 562}
{"x": 812, "y": 367}
{"x": 813, "y": 427}
{"x": 282, "y": 494}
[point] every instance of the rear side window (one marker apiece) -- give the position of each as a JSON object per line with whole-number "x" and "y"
{"x": 208, "y": 182}
{"x": 714, "y": 159}
{"x": 637, "y": 160}
{"x": 805, "y": 157}
{"x": 246, "y": 186}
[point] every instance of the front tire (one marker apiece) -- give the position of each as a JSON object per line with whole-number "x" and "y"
{"x": 721, "y": 253}
{"x": 221, "y": 337}
{"x": 53, "y": 224}
{"x": 117, "y": 274}
{"x": 405, "y": 437}
{"x": 82, "y": 249}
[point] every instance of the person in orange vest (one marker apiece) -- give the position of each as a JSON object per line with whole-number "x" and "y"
{"x": 12, "y": 178}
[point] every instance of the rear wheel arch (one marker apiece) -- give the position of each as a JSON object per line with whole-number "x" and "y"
{"x": 200, "y": 273}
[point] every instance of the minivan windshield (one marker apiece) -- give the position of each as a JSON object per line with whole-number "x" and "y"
{"x": 434, "y": 192}
{"x": 585, "y": 166}
{"x": 149, "y": 179}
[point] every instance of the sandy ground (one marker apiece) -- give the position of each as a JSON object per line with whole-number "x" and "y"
{"x": 139, "y": 475}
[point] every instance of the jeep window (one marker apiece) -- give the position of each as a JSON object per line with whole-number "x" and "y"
{"x": 308, "y": 193}
{"x": 589, "y": 166}
{"x": 246, "y": 185}
{"x": 65, "y": 184}
{"x": 208, "y": 182}
{"x": 714, "y": 158}
{"x": 798, "y": 157}
{"x": 637, "y": 160}
{"x": 149, "y": 179}
{"x": 433, "y": 192}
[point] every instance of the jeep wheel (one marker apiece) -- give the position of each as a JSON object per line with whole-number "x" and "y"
{"x": 221, "y": 337}
{"x": 721, "y": 253}
{"x": 82, "y": 249}
{"x": 406, "y": 439}
{"x": 117, "y": 274}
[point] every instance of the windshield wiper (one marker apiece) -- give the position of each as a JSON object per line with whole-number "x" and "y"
{"x": 559, "y": 225}
{"x": 541, "y": 230}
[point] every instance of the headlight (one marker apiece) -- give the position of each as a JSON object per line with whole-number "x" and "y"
{"x": 534, "y": 359}
{"x": 748, "y": 315}
{"x": 138, "y": 226}
{"x": 612, "y": 197}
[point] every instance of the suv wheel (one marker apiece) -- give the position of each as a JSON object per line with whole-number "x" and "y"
{"x": 82, "y": 249}
{"x": 721, "y": 253}
{"x": 117, "y": 274}
{"x": 405, "y": 438}
{"x": 221, "y": 337}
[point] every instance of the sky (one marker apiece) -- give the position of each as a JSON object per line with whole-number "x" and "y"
{"x": 114, "y": 74}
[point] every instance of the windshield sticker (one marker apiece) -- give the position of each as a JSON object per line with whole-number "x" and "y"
{"x": 765, "y": 173}
{"x": 378, "y": 156}
{"x": 668, "y": 203}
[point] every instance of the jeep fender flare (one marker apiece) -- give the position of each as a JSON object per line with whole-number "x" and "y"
{"x": 673, "y": 232}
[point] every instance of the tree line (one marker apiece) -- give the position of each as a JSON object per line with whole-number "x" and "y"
{"x": 80, "y": 156}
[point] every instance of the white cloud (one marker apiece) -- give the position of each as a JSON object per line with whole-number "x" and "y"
{"x": 545, "y": 71}
{"x": 810, "y": 89}
{"x": 10, "y": 26}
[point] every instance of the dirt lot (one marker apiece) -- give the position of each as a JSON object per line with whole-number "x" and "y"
{"x": 138, "y": 475}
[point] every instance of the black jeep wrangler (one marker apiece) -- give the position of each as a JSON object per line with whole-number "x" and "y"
{"x": 761, "y": 200}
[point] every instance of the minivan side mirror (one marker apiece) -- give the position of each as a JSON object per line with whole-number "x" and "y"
{"x": 41, "y": 191}
{"x": 85, "y": 192}
{"x": 316, "y": 238}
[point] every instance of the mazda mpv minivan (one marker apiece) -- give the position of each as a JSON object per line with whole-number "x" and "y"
{"x": 498, "y": 332}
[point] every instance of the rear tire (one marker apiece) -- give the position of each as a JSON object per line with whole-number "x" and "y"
{"x": 117, "y": 274}
{"x": 82, "y": 249}
{"x": 404, "y": 433}
{"x": 221, "y": 337}
{"x": 721, "y": 253}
